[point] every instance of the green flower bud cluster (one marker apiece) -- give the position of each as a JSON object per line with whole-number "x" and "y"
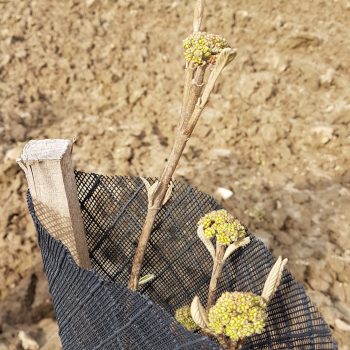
{"x": 223, "y": 226}
{"x": 202, "y": 47}
{"x": 238, "y": 315}
{"x": 183, "y": 316}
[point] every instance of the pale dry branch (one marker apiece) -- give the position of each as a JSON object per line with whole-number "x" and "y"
{"x": 198, "y": 16}
{"x": 150, "y": 192}
{"x": 189, "y": 72}
{"x": 158, "y": 194}
{"x": 194, "y": 92}
{"x": 217, "y": 268}
{"x": 221, "y": 255}
{"x": 226, "y": 56}
{"x": 168, "y": 193}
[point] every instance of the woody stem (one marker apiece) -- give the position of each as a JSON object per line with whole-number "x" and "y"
{"x": 183, "y": 134}
{"x": 216, "y": 272}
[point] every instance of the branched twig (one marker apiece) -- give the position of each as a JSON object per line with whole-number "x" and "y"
{"x": 225, "y": 57}
{"x": 192, "y": 105}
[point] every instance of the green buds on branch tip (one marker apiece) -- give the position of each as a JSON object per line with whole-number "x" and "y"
{"x": 183, "y": 316}
{"x": 203, "y": 48}
{"x": 238, "y": 315}
{"x": 222, "y": 226}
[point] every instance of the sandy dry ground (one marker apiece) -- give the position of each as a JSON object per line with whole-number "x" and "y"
{"x": 276, "y": 131}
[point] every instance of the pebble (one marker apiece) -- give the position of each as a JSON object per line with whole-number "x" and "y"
{"x": 27, "y": 342}
{"x": 89, "y": 2}
{"x": 122, "y": 154}
{"x": 21, "y": 53}
{"x": 340, "y": 290}
{"x": 278, "y": 22}
{"x": 343, "y": 326}
{"x": 220, "y": 152}
{"x": 224, "y": 193}
{"x": 52, "y": 339}
{"x": 323, "y": 132}
{"x": 327, "y": 78}
{"x": 243, "y": 17}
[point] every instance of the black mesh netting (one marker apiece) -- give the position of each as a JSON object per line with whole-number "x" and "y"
{"x": 95, "y": 310}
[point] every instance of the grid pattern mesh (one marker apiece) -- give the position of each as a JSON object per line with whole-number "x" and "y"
{"x": 96, "y": 311}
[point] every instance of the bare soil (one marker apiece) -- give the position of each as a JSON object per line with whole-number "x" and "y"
{"x": 276, "y": 130}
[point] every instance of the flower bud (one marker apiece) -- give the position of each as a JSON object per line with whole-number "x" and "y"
{"x": 223, "y": 226}
{"x": 201, "y": 47}
{"x": 238, "y": 315}
{"x": 183, "y": 316}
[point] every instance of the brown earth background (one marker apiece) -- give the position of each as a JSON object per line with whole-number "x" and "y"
{"x": 275, "y": 132}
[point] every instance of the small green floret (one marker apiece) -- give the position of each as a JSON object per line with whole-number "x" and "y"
{"x": 183, "y": 316}
{"x": 238, "y": 315}
{"x": 201, "y": 47}
{"x": 223, "y": 226}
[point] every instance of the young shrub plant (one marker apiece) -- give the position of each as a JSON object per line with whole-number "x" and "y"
{"x": 233, "y": 316}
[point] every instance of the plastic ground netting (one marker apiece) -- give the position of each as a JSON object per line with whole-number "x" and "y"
{"x": 95, "y": 310}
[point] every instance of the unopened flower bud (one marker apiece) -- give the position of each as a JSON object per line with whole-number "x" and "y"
{"x": 238, "y": 315}
{"x": 183, "y": 316}
{"x": 223, "y": 226}
{"x": 201, "y": 47}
